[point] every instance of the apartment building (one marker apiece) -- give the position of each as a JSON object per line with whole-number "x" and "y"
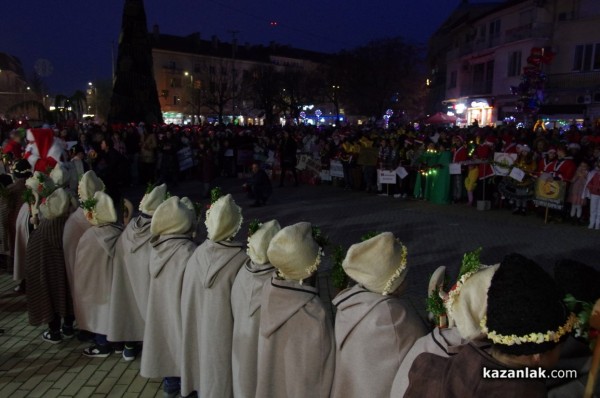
{"x": 488, "y": 47}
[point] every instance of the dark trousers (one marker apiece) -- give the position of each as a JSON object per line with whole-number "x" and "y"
{"x": 54, "y": 324}
{"x": 285, "y": 166}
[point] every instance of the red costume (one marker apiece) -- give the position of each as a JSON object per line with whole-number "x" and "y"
{"x": 44, "y": 152}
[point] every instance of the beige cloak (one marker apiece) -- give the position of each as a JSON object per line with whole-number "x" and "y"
{"x": 75, "y": 227}
{"x": 373, "y": 333}
{"x": 162, "y": 335}
{"x": 296, "y": 347}
{"x": 130, "y": 282}
{"x": 92, "y": 277}
{"x": 207, "y": 318}
{"x": 246, "y": 296}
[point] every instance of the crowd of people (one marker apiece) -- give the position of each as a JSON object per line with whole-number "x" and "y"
{"x": 222, "y": 317}
{"x": 441, "y": 165}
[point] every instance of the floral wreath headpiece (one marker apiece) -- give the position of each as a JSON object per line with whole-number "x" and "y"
{"x": 388, "y": 285}
{"x": 536, "y": 338}
{"x": 322, "y": 241}
{"x": 470, "y": 265}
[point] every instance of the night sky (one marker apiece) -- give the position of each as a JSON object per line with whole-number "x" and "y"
{"x": 76, "y": 36}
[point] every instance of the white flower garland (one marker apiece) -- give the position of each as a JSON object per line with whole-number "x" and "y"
{"x": 536, "y": 338}
{"x": 309, "y": 270}
{"x": 455, "y": 291}
{"x": 397, "y": 273}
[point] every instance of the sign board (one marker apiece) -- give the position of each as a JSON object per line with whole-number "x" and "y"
{"x": 336, "y": 169}
{"x": 185, "y": 159}
{"x": 455, "y": 168}
{"x": 549, "y": 193}
{"x": 502, "y": 162}
{"x": 325, "y": 175}
{"x": 517, "y": 174}
{"x": 401, "y": 172}
{"x": 386, "y": 176}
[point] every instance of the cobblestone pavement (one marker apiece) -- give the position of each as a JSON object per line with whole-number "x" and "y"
{"x": 435, "y": 235}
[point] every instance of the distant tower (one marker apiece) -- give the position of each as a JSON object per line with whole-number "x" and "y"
{"x": 134, "y": 97}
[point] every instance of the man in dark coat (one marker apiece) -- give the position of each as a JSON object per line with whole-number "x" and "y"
{"x": 287, "y": 150}
{"x": 260, "y": 186}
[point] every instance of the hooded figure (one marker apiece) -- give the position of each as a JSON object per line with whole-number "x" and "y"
{"x": 374, "y": 326}
{"x": 77, "y": 224}
{"x": 466, "y": 309}
{"x": 206, "y": 304}
{"x": 296, "y": 347}
{"x": 131, "y": 275}
{"x": 92, "y": 274}
{"x": 526, "y": 320}
{"x": 245, "y": 304}
{"x": 49, "y": 298}
{"x": 39, "y": 184}
{"x": 10, "y": 206}
{"x": 172, "y": 246}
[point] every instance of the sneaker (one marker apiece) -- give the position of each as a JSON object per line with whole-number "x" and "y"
{"x": 51, "y": 337}
{"x": 118, "y": 348}
{"x": 68, "y": 332}
{"x": 130, "y": 353}
{"x": 97, "y": 351}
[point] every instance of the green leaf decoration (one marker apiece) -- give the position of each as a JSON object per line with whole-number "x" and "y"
{"x": 369, "y": 235}
{"x": 28, "y": 196}
{"x": 321, "y": 239}
{"x": 435, "y": 305}
{"x": 253, "y": 227}
{"x": 215, "y": 194}
{"x": 470, "y": 262}
{"x": 89, "y": 204}
{"x": 339, "y": 279}
{"x": 149, "y": 187}
{"x": 583, "y": 310}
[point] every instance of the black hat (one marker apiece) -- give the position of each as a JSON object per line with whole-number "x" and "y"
{"x": 526, "y": 313}
{"x": 22, "y": 169}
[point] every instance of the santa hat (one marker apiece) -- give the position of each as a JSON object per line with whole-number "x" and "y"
{"x": 525, "y": 309}
{"x": 43, "y": 139}
{"x": 172, "y": 217}
{"x": 223, "y": 219}
{"x": 294, "y": 252}
{"x": 153, "y": 199}
{"x": 491, "y": 140}
{"x": 89, "y": 185}
{"x": 103, "y": 211}
{"x": 60, "y": 175}
{"x": 258, "y": 242}
{"x": 56, "y": 204}
{"x": 379, "y": 263}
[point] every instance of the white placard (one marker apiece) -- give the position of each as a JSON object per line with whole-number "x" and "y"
{"x": 336, "y": 169}
{"x": 386, "y": 176}
{"x": 505, "y": 159}
{"x": 302, "y": 162}
{"x": 517, "y": 174}
{"x": 455, "y": 168}
{"x": 401, "y": 172}
{"x": 325, "y": 175}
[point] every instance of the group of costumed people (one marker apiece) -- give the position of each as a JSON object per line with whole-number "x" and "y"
{"x": 230, "y": 319}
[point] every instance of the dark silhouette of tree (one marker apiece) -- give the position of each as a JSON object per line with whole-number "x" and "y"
{"x": 134, "y": 96}
{"x": 381, "y": 74}
{"x": 261, "y": 87}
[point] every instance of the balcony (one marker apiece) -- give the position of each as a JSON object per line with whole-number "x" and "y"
{"x": 528, "y": 31}
{"x": 573, "y": 80}
{"x": 475, "y": 89}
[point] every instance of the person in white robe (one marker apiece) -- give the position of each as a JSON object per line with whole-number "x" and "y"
{"x": 172, "y": 246}
{"x": 245, "y": 304}
{"x": 296, "y": 346}
{"x": 465, "y": 310}
{"x": 206, "y": 304}
{"x": 77, "y": 224}
{"x": 131, "y": 276}
{"x": 92, "y": 274}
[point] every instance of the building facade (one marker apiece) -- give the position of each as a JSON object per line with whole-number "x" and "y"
{"x": 199, "y": 80}
{"x": 13, "y": 86}
{"x": 491, "y": 49}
